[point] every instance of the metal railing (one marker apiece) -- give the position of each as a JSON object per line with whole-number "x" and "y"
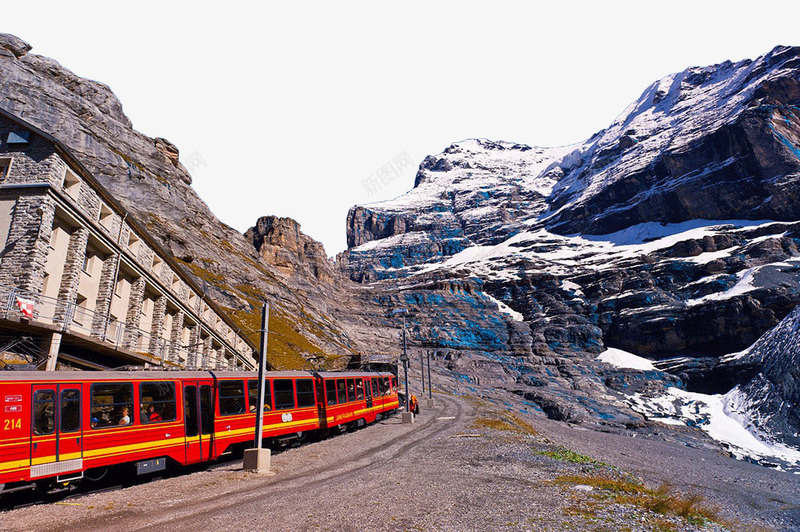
{"x": 73, "y": 317}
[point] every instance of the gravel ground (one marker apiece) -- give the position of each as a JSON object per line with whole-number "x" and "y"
{"x": 463, "y": 465}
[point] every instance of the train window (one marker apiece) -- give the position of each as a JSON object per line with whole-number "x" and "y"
{"x": 351, "y": 390}
{"x": 330, "y": 391}
{"x": 384, "y": 386}
{"x": 70, "y": 410}
{"x": 157, "y": 402}
{"x": 341, "y": 387}
{"x": 112, "y": 404}
{"x": 284, "y": 394}
{"x": 305, "y": 393}
{"x": 252, "y": 392}
{"x": 375, "y": 392}
{"x": 190, "y": 414}
{"x": 231, "y": 397}
{"x": 206, "y": 410}
{"x": 44, "y": 412}
{"x": 360, "y": 389}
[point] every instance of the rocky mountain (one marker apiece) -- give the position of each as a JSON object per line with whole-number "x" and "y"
{"x": 769, "y": 377}
{"x": 146, "y": 175}
{"x": 672, "y": 234}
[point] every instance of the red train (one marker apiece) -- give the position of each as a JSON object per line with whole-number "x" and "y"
{"x": 57, "y": 427}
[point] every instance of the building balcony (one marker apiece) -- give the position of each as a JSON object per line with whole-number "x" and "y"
{"x": 93, "y": 340}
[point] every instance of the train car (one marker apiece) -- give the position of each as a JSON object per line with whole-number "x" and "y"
{"x": 386, "y": 400}
{"x": 59, "y": 427}
{"x": 290, "y": 407}
{"x": 354, "y": 399}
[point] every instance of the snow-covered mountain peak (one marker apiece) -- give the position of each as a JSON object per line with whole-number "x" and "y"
{"x": 671, "y": 156}
{"x": 672, "y": 116}
{"x": 673, "y": 234}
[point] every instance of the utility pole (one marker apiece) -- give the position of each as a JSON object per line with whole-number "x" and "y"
{"x": 262, "y": 364}
{"x": 430, "y": 385}
{"x": 422, "y": 374}
{"x": 408, "y": 417}
{"x": 258, "y": 459}
{"x": 405, "y": 363}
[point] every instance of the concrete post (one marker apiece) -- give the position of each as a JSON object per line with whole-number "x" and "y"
{"x": 175, "y": 338}
{"x": 157, "y": 328}
{"x": 105, "y": 293}
{"x": 257, "y": 460}
{"x": 52, "y": 352}
{"x": 73, "y": 266}
{"x": 134, "y": 313}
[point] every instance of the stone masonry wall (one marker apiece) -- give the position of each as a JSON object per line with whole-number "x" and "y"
{"x": 25, "y": 252}
{"x": 26, "y": 249}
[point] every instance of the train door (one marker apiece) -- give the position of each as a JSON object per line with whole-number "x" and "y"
{"x": 368, "y": 392}
{"x": 56, "y": 429}
{"x": 198, "y": 418}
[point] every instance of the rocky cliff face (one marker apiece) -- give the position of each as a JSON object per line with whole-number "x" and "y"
{"x": 147, "y": 177}
{"x": 768, "y": 392}
{"x": 672, "y": 234}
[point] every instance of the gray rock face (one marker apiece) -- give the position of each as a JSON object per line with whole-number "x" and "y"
{"x": 769, "y": 375}
{"x": 146, "y": 176}
{"x": 281, "y": 243}
{"x": 15, "y": 45}
{"x": 672, "y": 234}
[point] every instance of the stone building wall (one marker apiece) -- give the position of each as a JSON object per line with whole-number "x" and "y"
{"x": 101, "y": 225}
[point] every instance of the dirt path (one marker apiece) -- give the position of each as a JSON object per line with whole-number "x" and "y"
{"x": 456, "y": 469}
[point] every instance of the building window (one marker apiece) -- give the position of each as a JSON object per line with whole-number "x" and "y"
{"x": 106, "y": 217}
{"x": 19, "y": 137}
{"x": 5, "y": 165}
{"x": 157, "y": 262}
{"x": 133, "y": 243}
{"x": 81, "y": 312}
{"x": 147, "y": 306}
{"x": 71, "y": 184}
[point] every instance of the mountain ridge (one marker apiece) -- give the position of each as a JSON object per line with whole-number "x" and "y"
{"x": 518, "y": 265}
{"x": 702, "y": 173}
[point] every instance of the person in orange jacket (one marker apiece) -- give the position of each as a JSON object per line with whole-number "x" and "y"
{"x": 414, "y": 404}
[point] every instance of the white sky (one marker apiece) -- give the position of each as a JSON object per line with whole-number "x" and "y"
{"x": 293, "y": 106}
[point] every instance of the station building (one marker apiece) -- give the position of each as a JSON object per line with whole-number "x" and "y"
{"x": 84, "y": 281}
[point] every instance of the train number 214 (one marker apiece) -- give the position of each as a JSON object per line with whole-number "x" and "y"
{"x": 12, "y": 424}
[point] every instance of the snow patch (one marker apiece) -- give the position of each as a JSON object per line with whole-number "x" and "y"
{"x": 505, "y": 309}
{"x": 624, "y": 359}
{"x": 720, "y": 418}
